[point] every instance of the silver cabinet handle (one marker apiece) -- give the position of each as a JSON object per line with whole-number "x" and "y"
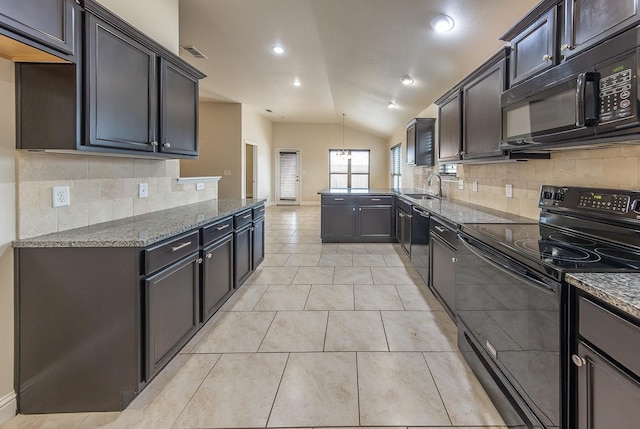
{"x": 338, "y": 199}
{"x": 199, "y": 260}
{"x": 246, "y": 216}
{"x": 454, "y": 260}
{"x": 440, "y": 228}
{"x": 209, "y": 255}
{"x": 153, "y": 144}
{"x": 262, "y": 210}
{"x": 564, "y": 47}
{"x": 181, "y": 246}
{"x": 546, "y": 57}
{"x": 578, "y": 360}
{"x": 167, "y": 145}
{"x": 220, "y": 228}
{"x": 375, "y": 199}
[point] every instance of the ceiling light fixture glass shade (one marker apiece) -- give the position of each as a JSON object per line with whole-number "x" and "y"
{"x": 391, "y": 105}
{"x": 344, "y": 153}
{"x": 406, "y": 80}
{"x": 296, "y": 82}
{"x": 442, "y": 23}
{"x": 277, "y": 49}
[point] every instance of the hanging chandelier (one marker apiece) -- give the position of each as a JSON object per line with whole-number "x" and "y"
{"x": 344, "y": 153}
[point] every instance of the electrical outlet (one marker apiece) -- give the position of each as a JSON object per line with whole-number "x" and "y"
{"x": 199, "y": 186}
{"x": 60, "y": 196}
{"x": 509, "y": 191}
{"x": 227, "y": 172}
{"x": 143, "y": 190}
{"x": 475, "y": 186}
{"x": 461, "y": 184}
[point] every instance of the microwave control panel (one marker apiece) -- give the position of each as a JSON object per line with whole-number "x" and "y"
{"x": 617, "y": 90}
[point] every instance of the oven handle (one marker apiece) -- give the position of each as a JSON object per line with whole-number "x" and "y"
{"x": 512, "y": 270}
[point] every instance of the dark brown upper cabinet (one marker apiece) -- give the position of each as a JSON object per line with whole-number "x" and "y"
{"x": 48, "y": 26}
{"x": 126, "y": 95}
{"x": 588, "y": 22}
{"x": 533, "y": 48}
{"x": 450, "y": 127}
{"x": 421, "y": 141}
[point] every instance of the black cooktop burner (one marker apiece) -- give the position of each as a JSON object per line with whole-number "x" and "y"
{"x": 621, "y": 254}
{"x": 571, "y": 239}
{"x": 554, "y": 250}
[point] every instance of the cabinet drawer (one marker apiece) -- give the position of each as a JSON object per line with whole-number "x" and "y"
{"x": 375, "y": 200}
{"x": 444, "y": 231}
{"x": 258, "y": 212}
{"x": 612, "y": 334}
{"x": 243, "y": 218}
{"x": 338, "y": 199}
{"x": 405, "y": 206}
{"x": 167, "y": 252}
{"x": 217, "y": 230}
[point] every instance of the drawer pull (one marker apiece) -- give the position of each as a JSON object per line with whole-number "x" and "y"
{"x": 262, "y": 210}
{"x": 246, "y": 216}
{"x": 182, "y": 246}
{"x": 209, "y": 255}
{"x": 440, "y": 228}
{"x": 375, "y": 199}
{"x": 199, "y": 260}
{"x": 338, "y": 199}
{"x": 578, "y": 360}
{"x": 220, "y": 228}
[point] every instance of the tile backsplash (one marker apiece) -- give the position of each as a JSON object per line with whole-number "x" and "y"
{"x": 614, "y": 167}
{"x": 101, "y": 189}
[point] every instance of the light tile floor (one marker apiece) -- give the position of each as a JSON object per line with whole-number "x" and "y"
{"x": 321, "y": 335}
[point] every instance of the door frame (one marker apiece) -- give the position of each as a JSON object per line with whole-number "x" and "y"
{"x": 255, "y": 168}
{"x": 277, "y": 177}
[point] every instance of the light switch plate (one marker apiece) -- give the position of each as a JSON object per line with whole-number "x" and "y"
{"x": 461, "y": 184}
{"x": 60, "y": 196}
{"x": 143, "y": 190}
{"x": 227, "y": 172}
{"x": 199, "y": 186}
{"x": 475, "y": 186}
{"x": 509, "y": 191}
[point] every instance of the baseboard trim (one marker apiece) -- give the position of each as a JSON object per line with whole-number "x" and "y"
{"x": 8, "y": 407}
{"x": 310, "y": 203}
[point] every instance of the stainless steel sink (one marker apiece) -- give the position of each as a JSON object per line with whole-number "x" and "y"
{"x": 422, "y": 196}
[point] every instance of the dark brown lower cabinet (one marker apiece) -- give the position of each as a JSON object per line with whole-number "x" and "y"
{"x": 217, "y": 275}
{"x": 243, "y": 241}
{"x": 338, "y": 222}
{"x": 375, "y": 221}
{"x": 442, "y": 243}
{"x": 258, "y": 242}
{"x": 172, "y": 298}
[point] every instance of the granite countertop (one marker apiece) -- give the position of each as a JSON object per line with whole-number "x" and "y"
{"x": 142, "y": 230}
{"x": 622, "y": 290}
{"x": 453, "y": 211}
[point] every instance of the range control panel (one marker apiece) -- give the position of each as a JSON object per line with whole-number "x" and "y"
{"x": 606, "y": 202}
{"x": 617, "y": 90}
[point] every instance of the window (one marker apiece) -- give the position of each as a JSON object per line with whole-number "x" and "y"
{"x": 349, "y": 171}
{"x": 288, "y": 176}
{"x": 448, "y": 169}
{"x": 396, "y": 165}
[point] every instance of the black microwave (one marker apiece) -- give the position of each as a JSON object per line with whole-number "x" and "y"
{"x": 593, "y": 97}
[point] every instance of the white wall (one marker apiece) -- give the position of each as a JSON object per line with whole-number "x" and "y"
{"x": 258, "y": 130}
{"x": 7, "y": 235}
{"x": 315, "y": 140}
{"x": 158, "y": 19}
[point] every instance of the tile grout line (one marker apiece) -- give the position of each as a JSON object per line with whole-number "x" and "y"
{"x": 266, "y": 331}
{"x": 436, "y": 385}
{"x": 277, "y": 390}
{"x": 326, "y": 331}
{"x": 385, "y": 331}
{"x": 358, "y": 390}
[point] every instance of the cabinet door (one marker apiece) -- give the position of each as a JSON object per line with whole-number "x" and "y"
{"x": 172, "y": 311}
{"x": 450, "y": 114}
{"x": 425, "y": 141}
{"x": 443, "y": 273}
{"x": 375, "y": 221}
{"x": 48, "y": 22}
{"x": 607, "y": 397}
{"x": 411, "y": 145}
{"x": 406, "y": 233}
{"x": 217, "y": 275}
{"x": 338, "y": 222}
{"x": 590, "y": 21}
{"x": 532, "y": 51}
{"x": 258, "y": 242}
{"x": 243, "y": 252}
{"x": 482, "y": 126}
{"x": 178, "y": 111}
{"x": 122, "y": 104}
{"x": 399, "y": 216}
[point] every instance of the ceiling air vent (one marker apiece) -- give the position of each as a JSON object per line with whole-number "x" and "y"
{"x": 194, "y": 51}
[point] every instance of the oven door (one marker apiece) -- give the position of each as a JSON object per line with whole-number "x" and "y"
{"x": 514, "y": 315}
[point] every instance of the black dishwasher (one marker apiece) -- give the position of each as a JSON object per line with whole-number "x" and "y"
{"x": 420, "y": 242}
{"x": 443, "y": 242}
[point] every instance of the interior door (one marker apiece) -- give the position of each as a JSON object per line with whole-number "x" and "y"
{"x": 288, "y": 176}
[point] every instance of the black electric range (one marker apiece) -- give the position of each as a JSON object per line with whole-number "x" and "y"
{"x": 511, "y": 295}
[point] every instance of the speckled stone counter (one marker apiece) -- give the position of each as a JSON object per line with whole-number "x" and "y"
{"x": 454, "y": 211}
{"x": 142, "y": 230}
{"x": 622, "y": 290}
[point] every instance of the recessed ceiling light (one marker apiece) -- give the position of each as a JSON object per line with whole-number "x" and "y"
{"x": 296, "y": 82}
{"x": 391, "y": 105}
{"x": 442, "y": 23}
{"x": 277, "y": 49}
{"x": 406, "y": 80}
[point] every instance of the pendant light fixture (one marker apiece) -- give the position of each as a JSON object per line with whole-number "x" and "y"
{"x": 344, "y": 153}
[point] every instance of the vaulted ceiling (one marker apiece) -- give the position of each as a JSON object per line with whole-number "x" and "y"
{"x": 349, "y": 55}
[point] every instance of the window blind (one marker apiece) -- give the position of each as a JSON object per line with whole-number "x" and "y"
{"x": 396, "y": 165}
{"x": 288, "y": 175}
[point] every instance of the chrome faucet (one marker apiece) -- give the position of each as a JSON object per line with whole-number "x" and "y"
{"x": 430, "y": 182}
